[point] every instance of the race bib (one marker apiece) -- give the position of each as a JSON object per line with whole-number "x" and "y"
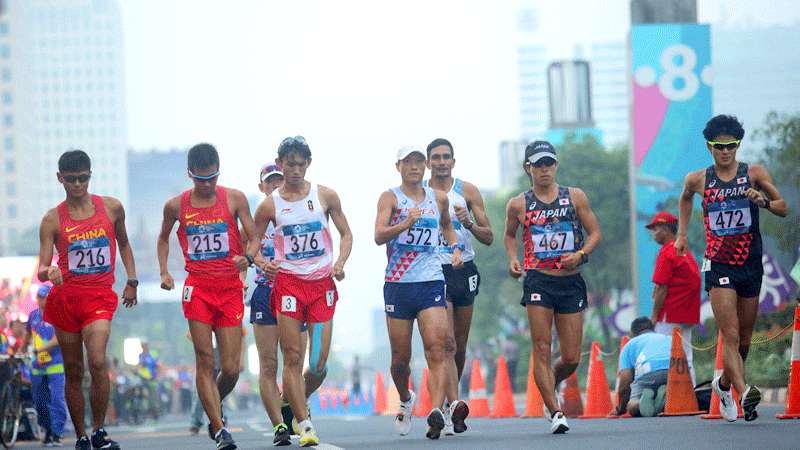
{"x": 90, "y": 256}
{"x": 552, "y": 240}
{"x": 302, "y": 241}
{"x": 423, "y": 237}
{"x": 729, "y": 217}
{"x": 208, "y": 241}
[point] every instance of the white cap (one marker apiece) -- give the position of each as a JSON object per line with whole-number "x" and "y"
{"x": 407, "y": 150}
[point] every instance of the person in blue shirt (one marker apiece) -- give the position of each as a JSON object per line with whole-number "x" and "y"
{"x": 148, "y": 363}
{"x": 643, "y": 368}
{"x": 47, "y": 372}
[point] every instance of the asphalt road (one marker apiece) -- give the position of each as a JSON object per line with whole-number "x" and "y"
{"x": 252, "y": 432}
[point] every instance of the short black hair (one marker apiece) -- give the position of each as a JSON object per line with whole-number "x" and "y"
{"x": 723, "y": 124}
{"x": 74, "y": 161}
{"x": 203, "y": 156}
{"x": 296, "y": 145}
{"x": 672, "y": 227}
{"x": 640, "y": 325}
{"x": 437, "y": 142}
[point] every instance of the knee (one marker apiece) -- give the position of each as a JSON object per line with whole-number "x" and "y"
{"x": 730, "y": 336}
{"x": 204, "y": 360}
{"x": 541, "y": 349}
{"x": 229, "y": 371}
{"x": 73, "y": 370}
{"x": 97, "y": 365}
{"x": 570, "y": 360}
{"x": 291, "y": 358}
{"x": 268, "y": 366}
{"x": 400, "y": 362}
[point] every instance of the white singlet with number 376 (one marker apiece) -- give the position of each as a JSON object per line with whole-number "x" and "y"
{"x": 303, "y": 244}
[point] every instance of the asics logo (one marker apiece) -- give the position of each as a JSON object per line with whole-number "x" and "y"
{"x": 189, "y": 216}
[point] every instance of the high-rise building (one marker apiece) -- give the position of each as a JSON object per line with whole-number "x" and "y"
{"x": 61, "y": 87}
{"x": 511, "y": 154}
{"x": 532, "y": 59}
{"x": 610, "y": 91}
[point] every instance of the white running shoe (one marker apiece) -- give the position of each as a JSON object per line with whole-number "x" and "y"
{"x": 448, "y": 421}
{"x": 727, "y": 406}
{"x": 402, "y": 421}
{"x": 558, "y": 425}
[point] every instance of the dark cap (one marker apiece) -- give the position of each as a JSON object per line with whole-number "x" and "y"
{"x": 537, "y": 150}
{"x": 641, "y": 324}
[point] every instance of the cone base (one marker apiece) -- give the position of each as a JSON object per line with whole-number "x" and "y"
{"x": 624, "y": 416}
{"x": 593, "y": 416}
{"x": 531, "y": 416}
{"x": 682, "y": 413}
{"x": 787, "y": 416}
{"x": 502, "y": 416}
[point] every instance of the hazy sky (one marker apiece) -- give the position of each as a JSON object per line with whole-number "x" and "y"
{"x": 358, "y": 79}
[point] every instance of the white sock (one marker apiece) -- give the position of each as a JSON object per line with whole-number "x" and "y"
{"x": 305, "y": 424}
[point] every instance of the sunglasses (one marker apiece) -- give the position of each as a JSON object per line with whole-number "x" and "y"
{"x": 73, "y": 178}
{"x": 294, "y": 140}
{"x": 204, "y": 177}
{"x": 732, "y": 145}
{"x": 544, "y": 162}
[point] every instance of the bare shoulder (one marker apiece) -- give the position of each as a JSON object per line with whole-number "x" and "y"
{"x": 694, "y": 180}
{"x": 50, "y": 219}
{"x": 516, "y": 203}
{"x": 757, "y": 171}
{"x": 173, "y": 205}
{"x": 326, "y": 192}
{"x": 114, "y": 206}
{"x": 470, "y": 190}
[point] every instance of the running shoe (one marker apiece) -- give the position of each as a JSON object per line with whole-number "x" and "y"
{"x": 100, "y": 440}
{"x": 224, "y": 440}
{"x": 308, "y": 437}
{"x": 435, "y": 424}
{"x": 194, "y": 429}
{"x": 286, "y": 413}
{"x": 558, "y": 424}
{"x": 750, "y": 399}
{"x": 55, "y": 441}
{"x": 448, "y": 421}
{"x": 402, "y": 421}
{"x": 48, "y": 439}
{"x": 459, "y": 411}
{"x": 727, "y": 406}
{"x": 282, "y": 435}
{"x": 295, "y": 426}
{"x": 83, "y": 443}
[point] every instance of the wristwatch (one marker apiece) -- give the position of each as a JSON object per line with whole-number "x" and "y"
{"x": 584, "y": 256}
{"x": 250, "y": 260}
{"x": 458, "y": 245}
{"x": 468, "y": 224}
{"x": 132, "y": 282}
{"x": 766, "y": 203}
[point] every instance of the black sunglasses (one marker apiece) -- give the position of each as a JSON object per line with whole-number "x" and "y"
{"x": 73, "y": 178}
{"x": 544, "y": 162}
{"x": 732, "y": 145}
{"x": 293, "y": 140}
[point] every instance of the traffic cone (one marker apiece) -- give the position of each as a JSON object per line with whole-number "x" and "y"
{"x": 380, "y": 395}
{"x": 534, "y": 405}
{"x": 598, "y": 395}
{"x": 713, "y": 407}
{"x": 627, "y": 415}
{"x": 423, "y": 396}
{"x": 681, "y": 400}
{"x": 478, "y": 403}
{"x": 392, "y": 401}
{"x": 793, "y": 394}
{"x": 571, "y": 406}
{"x": 503, "y": 397}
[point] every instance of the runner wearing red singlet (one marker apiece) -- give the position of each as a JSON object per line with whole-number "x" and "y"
{"x": 212, "y": 296}
{"x": 86, "y": 231}
{"x": 303, "y": 270}
{"x": 732, "y": 192}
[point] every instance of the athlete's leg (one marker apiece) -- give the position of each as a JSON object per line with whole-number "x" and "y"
{"x": 747, "y": 311}
{"x": 400, "y": 332}
{"x": 460, "y": 321}
{"x": 540, "y": 321}
{"x": 319, "y": 344}
{"x": 267, "y": 345}
{"x": 723, "y": 303}
{"x": 207, "y": 389}
{"x": 293, "y": 385}
{"x": 229, "y": 340}
{"x": 439, "y": 347}
{"x": 570, "y": 334}
{"x": 95, "y": 337}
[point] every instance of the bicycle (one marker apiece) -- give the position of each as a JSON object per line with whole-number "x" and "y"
{"x": 10, "y": 400}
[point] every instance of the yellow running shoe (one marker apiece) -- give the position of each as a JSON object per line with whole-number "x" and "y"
{"x": 308, "y": 437}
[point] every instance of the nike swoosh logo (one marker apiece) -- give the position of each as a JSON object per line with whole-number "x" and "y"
{"x": 70, "y": 229}
{"x": 189, "y": 216}
{"x": 101, "y": 311}
{"x": 238, "y": 316}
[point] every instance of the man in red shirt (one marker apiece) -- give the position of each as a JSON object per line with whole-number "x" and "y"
{"x": 676, "y": 297}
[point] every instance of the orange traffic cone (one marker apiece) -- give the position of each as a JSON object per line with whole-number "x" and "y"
{"x": 503, "y": 397}
{"x": 598, "y": 395}
{"x": 713, "y": 408}
{"x": 793, "y": 394}
{"x": 424, "y": 396}
{"x": 627, "y": 415}
{"x": 478, "y": 403}
{"x": 392, "y": 401}
{"x": 380, "y": 395}
{"x": 681, "y": 400}
{"x": 571, "y": 406}
{"x": 534, "y": 405}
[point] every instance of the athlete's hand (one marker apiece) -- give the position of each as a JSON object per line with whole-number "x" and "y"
{"x": 338, "y": 271}
{"x": 54, "y": 275}
{"x": 241, "y": 263}
{"x": 680, "y": 245}
{"x": 462, "y": 214}
{"x": 129, "y": 296}
{"x": 167, "y": 283}
{"x": 271, "y": 269}
{"x": 413, "y": 215}
{"x": 570, "y": 261}
{"x": 756, "y": 197}
{"x": 457, "y": 262}
{"x": 515, "y": 269}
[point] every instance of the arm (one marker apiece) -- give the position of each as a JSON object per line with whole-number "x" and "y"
{"x": 171, "y": 211}
{"x": 481, "y": 228}
{"x": 336, "y": 214}
{"x": 446, "y": 225}
{"x": 125, "y": 250}
{"x": 47, "y": 239}
{"x": 590, "y": 224}
{"x": 386, "y": 207}
{"x": 659, "y": 295}
{"x": 510, "y": 237}
{"x": 241, "y": 211}
{"x": 762, "y": 179}
{"x": 690, "y": 186}
{"x": 624, "y": 392}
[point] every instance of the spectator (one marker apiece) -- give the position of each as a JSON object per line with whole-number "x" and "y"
{"x": 511, "y": 353}
{"x": 643, "y": 368}
{"x": 355, "y": 375}
{"x": 676, "y": 297}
